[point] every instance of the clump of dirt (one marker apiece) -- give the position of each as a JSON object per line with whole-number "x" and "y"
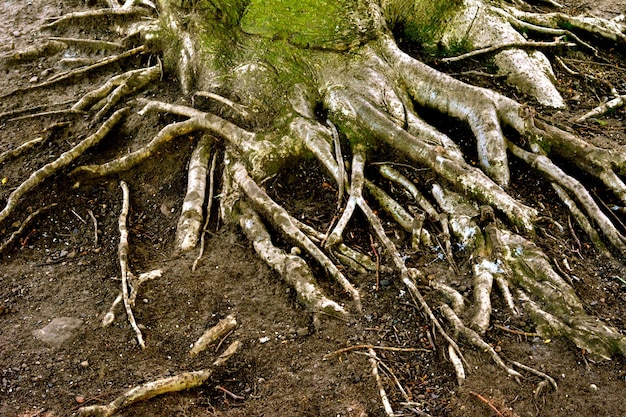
{"x": 61, "y": 268}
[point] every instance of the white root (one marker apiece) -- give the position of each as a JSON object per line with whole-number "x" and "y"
{"x": 123, "y": 259}
{"x": 603, "y": 109}
{"x": 483, "y": 281}
{"x": 191, "y": 218}
{"x": 180, "y": 382}
{"x": 228, "y": 353}
{"x": 281, "y": 219}
{"x": 213, "y": 334}
{"x": 457, "y": 364}
{"x": 15, "y": 152}
{"x": 134, "y": 284}
{"x": 208, "y": 213}
{"x": 293, "y": 270}
{"x": 475, "y": 339}
{"x": 24, "y": 224}
{"x": 391, "y": 174}
{"x": 373, "y": 359}
{"x": 62, "y": 161}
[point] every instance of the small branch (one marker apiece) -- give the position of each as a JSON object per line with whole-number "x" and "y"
{"x": 508, "y": 45}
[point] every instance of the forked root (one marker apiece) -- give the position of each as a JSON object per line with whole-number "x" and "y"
{"x": 291, "y": 268}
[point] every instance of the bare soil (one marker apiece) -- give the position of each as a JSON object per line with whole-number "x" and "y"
{"x": 57, "y": 269}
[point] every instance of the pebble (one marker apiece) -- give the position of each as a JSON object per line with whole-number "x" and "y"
{"x": 84, "y": 364}
{"x": 593, "y": 387}
{"x": 17, "y": 34}
{"x": 58, "y": 331}
{"x": 33, "y": 79}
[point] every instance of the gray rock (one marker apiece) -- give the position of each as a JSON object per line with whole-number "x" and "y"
{"x": 59, "y": 331}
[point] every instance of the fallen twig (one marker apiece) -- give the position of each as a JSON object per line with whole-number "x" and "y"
{"x": 214, "y": 333}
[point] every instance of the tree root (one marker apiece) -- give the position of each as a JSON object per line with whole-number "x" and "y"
{"x": 64, "y": 160}
{"x": 92, "y": 14}
{"x": 74, "y": 73}
{"x": 191, "y": 217}
{"x": 609, "y": 106}
{"x": 123, "y": 258}
{"x": 213, "y": 334}
{"x": 291, "y": 268}
{"x": 24, "y": 224}
{"x": 180, "y": 382}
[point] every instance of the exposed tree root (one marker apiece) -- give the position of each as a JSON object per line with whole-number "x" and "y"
{"x": 180, "y": 382}
{"x": 366, "y": 99}
{"x": 64, "y": 160}
{"x": 123, "y": 258}
{"x": 191, "y": 219}
{"x": 213, "y": 334}
{"x": 23, "y": 225}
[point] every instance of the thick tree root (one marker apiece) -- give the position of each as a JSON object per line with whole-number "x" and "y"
{"x": 291, "y": 268}
{"x": 180, "y": 382}
{"x": 191, "y": 218}
{"x": 64, "y": 160}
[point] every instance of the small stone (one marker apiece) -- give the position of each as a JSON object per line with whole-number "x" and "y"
{"x": 385, "y": 282}
{"x": 17, "y": 34}
{"x": 295, "y": 251}
{"x": 79, "y": 399}
{"x": 302, "y": 332}
{"x": 264, "y": 339}
{"x": 63, "y": 254}
{"x": 84, "y": 364}
{"x": 498, "y": 349}
{"x": 59, "y": 331}
{"x": 593, "y": 387}
{"x": 33, "y": 79}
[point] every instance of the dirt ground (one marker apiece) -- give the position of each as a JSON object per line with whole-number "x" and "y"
{"x": 57, "y": 269}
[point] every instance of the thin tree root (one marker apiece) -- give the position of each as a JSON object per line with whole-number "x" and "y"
{"x": 68, "y": 18}
{"x": 123, "y": 259}
{"x": 32, "y": 53}
{"x": 457, "y": 364}
{"x": 475, "y": 339}
{"x": 180, "y": 382}
{"x": 116, "y": 88}
{"x": 62, "y": 161}
{"x": 508, "y": 45}
{"x": 379, "y": 382}
{"x": 213, "y": 334}
{"x": 80, "y": 71}
{"x": 134, "y": 284}
{"x": 132, "y": 159}
{"x": 387, "y": 348}
{"x": 24, "y": 224}
{"x": 191, "y": 218}
{"x": 15, "y": 152}
{"x": 543, "y": 375}
{"x": 605, "y": 108}
{"x": 94, "y": 44}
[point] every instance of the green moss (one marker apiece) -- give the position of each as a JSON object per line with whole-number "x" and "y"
{"x": 421, "y": 21}
{"x": 323, "y": 24}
